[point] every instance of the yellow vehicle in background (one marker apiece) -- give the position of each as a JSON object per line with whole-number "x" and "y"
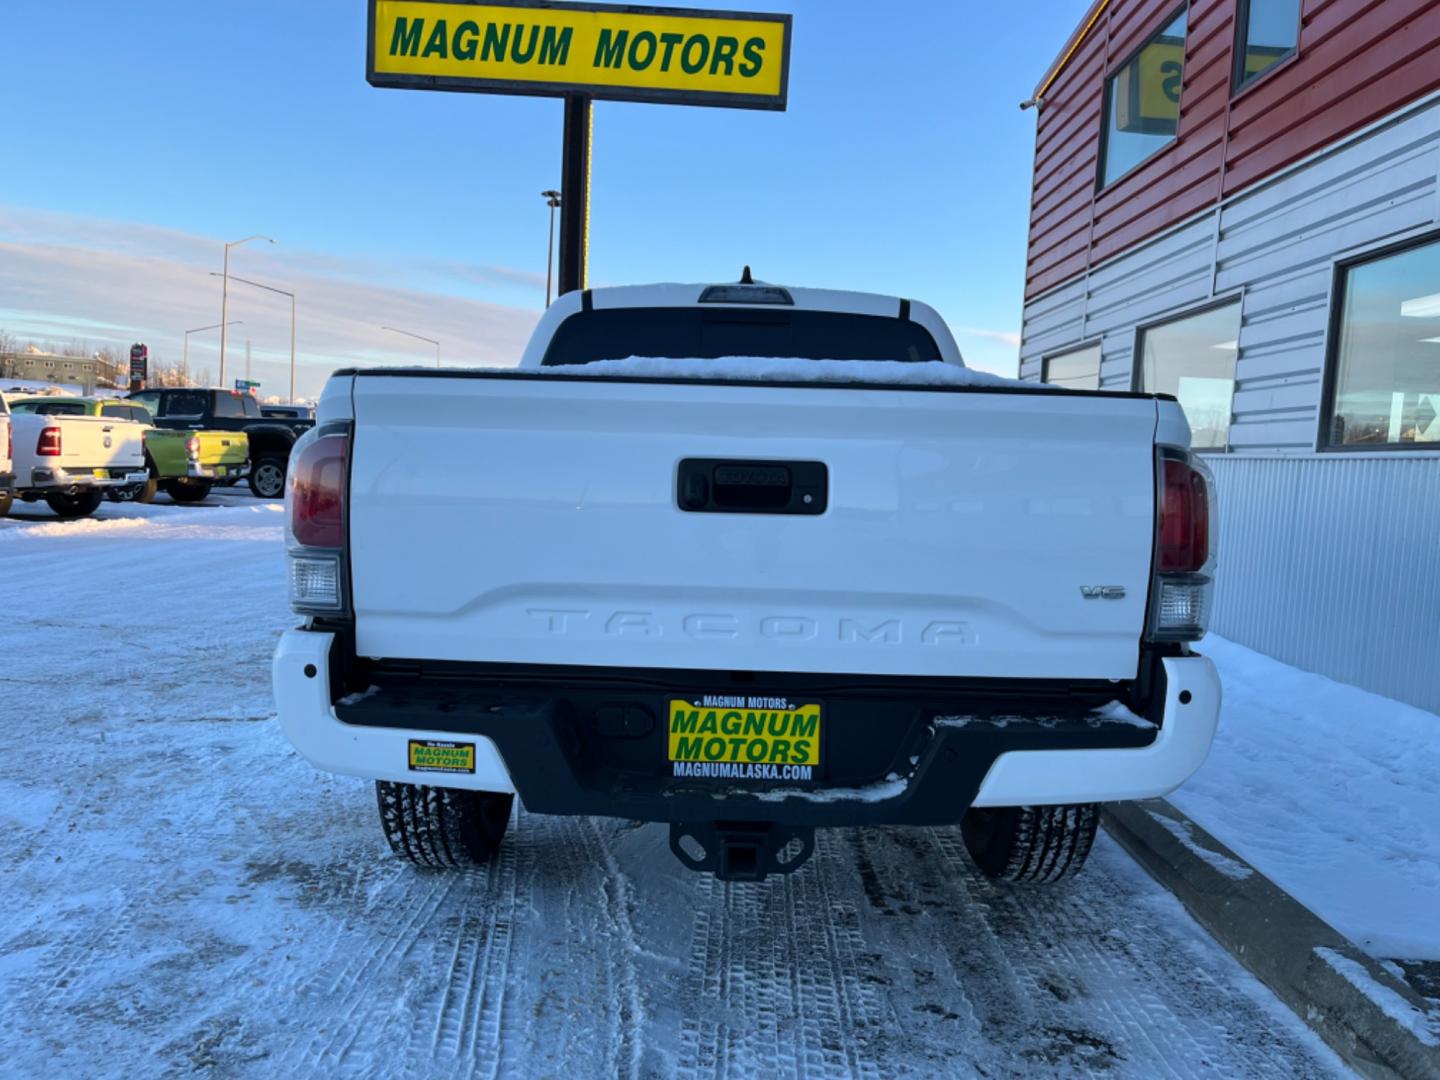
{"x": 183, "y": 464}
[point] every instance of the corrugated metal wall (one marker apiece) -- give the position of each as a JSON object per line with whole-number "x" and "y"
{"x": 1330, "y": 560}
{"x": 1332, "y": 563}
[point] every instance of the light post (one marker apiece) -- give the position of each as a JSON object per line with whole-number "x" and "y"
{"x": 422, "y": 337}
{"x": 185, "y": 363}
{"x": 552, "y": 200}
{"x": 282, "y": 292}
{"x": 225, "y": 295}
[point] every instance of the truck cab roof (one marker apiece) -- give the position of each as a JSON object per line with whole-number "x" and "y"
{"x": 753, "y": 304}
{"x": 63, "y": 404}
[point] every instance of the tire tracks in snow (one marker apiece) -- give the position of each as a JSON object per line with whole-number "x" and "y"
{"x": 773, "y": 984}
{"x": 468, "y": 1031}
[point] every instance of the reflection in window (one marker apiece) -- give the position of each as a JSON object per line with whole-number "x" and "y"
{"x": 1078, "y": 370}
{"x": 1194, "y": 359}
{"x": 1387, "y": 375}
{"x": 1142, "y": 102}
{"x": 1269, "y": 31}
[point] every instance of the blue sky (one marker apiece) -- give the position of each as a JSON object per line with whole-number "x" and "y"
{"x": 902, "y": 165}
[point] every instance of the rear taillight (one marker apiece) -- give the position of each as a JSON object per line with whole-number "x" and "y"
{"x": 315, "y": 521}
{"x": 192, "y": 447}
{"x": 1184, "y": 548}
{"x": 1184, "y": 518}
{"x": 48, "y": 445}
{"x": 9, "y": 442}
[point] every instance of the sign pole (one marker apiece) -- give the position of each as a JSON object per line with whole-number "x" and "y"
{"x": 575, "y": 192}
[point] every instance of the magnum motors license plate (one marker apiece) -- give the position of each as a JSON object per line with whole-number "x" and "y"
{"x": 432, "y": 755}
{"x": 745, "y": 737}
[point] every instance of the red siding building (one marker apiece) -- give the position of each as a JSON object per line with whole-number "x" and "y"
{"x": 1238, "y": 202}
{"x": 1357, "y": 61}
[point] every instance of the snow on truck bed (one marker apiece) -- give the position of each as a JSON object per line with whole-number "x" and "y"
{"x": 772, "y": 369}
{"x": 758, "y": 369}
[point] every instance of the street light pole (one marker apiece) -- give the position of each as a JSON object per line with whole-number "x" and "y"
{"x": 185, "y": 363}
{"x": 225, "y": 295}
{"x": 421, "y": 337}
{"x": 282, "y": 292}
{"x": 552, "y": 200}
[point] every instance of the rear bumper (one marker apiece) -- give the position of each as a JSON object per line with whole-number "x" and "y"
{"x": 541, "y": 746}
{"x": 47, "y": 480}
{"x": 198, "y": 471}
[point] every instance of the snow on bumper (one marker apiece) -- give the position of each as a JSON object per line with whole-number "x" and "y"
{"x": 1056, "y": 777}
{"x": 1017, "y": 778}
{"x": 301, "y": 672}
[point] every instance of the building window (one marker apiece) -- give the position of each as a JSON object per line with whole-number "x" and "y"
{"x": 1142, "y": 102}
{"x": 1386, "y": 386}
{"x": 1193, "y": 358}
{"x": 1267, "y": 31}
{"x": 1077, "y": 370}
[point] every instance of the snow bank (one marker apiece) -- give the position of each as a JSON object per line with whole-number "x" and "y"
{"x": 220, "y": 517}
{"x": 775, "y": 369}
{"x": 1333, "y": 793}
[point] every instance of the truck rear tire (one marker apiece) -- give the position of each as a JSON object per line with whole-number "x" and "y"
{"x": 442, "y": 827}
{"x": 187, "y": 491}
{"x": 7, "y": 499}
{"x": 267, "y": 476}
{"x": 1030, "y": 843}
{"x": 139, "y": 493}
{"x": 81, "y": 504}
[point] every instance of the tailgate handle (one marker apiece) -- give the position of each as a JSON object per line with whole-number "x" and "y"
{"x": 728, "y": 486}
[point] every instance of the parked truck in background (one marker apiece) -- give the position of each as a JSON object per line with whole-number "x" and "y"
{"x": 183, "y": 463}
{"x": 756, "y": 589}
{"x": 72, "y": 461}
{"x": 7, "y": 469}
{"x": 197, "y": 409}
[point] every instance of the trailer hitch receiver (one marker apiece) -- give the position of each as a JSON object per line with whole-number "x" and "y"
{"x": 742, "y": 850}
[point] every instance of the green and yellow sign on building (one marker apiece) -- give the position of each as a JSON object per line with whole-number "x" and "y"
{"x": 664, "y": 55}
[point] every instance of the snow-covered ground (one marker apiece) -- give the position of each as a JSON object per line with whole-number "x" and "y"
{"x": 1333, "y": 793}
{"x": 179, "y": 891}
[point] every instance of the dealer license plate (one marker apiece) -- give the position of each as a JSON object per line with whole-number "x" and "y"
{"x": 101, "y": 474}
{"x": 745, "y": 737}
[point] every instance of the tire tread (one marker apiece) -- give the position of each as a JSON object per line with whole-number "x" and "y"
{"x": 442, "y": 828}
{"x": 1037, "y": 844}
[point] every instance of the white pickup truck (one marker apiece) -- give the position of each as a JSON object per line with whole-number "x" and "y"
{"x": 7, "y": 465}
{"x": 72, "y": 461}
{"x": 797, "y": 568}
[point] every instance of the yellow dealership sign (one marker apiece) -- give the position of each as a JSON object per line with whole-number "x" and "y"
{"x": 1148, "y": 89}
{"x": 666, "y": 55}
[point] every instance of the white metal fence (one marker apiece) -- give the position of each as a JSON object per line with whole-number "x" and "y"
{"x": 1331, "y": 562}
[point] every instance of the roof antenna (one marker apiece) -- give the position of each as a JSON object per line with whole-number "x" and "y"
{"x": 745, "y": 278}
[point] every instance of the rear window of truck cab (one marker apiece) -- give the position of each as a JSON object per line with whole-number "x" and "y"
{"x": 52, "y": 408}
{"x": 185, "y": 404}
{"x": 692, "y": 333}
